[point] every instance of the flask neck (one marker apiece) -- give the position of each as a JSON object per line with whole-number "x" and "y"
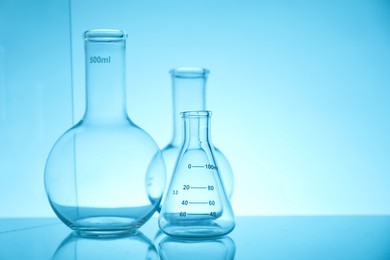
{"x": 105, "y": 77}
{"x": 196, "y": 129}
{"x": 188, "y": 85}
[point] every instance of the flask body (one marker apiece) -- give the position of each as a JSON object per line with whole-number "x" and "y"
{"x": 105, "y": 175}
{"x": 196, "y": 204}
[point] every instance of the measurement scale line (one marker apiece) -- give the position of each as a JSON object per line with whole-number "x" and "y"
{"x": 198, "y": 214}
{"x": 196, "y": 202}
{"x": 197, "y": 166}
{"x": 198, "y": 187}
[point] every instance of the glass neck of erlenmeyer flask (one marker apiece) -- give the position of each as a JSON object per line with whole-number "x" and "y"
{"x": 189, "y": 86}
{"x": 196, "y": 128}
{"x": 105, "y": 75}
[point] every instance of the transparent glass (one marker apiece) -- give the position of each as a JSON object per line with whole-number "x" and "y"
{"x": 171, "y": 248}
{"x": 196, "y": 204}
{"x": 105, "y": 175}
{"x": 135, "y": 246}
{"x": 189, "y": 94}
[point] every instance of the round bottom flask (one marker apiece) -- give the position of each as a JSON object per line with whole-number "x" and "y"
{"x": 196, "y": 204}
{"x": 105, "y": 175}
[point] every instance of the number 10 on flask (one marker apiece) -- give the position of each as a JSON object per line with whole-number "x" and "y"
{"x": 196, "y": 204}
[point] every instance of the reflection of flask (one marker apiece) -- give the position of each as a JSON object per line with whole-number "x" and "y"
{"x": 134, "y": 246}
{"x": 222, "y": 248}
{"x": 196, "y": 204}
{"x": 189, "y": 91}
{"x": 105, "y": 174}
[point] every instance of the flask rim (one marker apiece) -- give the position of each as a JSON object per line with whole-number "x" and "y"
{"x": 199, "y": 113}
{"x": 105, "y": 35}
{"x": 189, "y": 72}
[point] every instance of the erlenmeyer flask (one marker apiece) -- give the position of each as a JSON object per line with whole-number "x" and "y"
{"x": 105, "y": 175}
{"x": 189, "y": 91}
{"x": 196, "y": 204}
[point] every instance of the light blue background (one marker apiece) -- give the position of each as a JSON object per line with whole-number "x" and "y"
{"x": 299, "y": 92}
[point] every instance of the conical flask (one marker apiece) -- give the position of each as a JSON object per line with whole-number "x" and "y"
{"x": 189, "y": 94}
{"x": 196, "y": 204}
{"x": 105, "y": 175}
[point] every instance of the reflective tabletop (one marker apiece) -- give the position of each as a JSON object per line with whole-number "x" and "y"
{"x": 306, "y": 237}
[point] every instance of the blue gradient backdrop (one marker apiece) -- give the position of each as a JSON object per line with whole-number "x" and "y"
{"x": 299, "y": 91}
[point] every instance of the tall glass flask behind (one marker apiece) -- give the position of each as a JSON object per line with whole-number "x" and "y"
{"x": 105, "y": 175}
{"x": 196, "y": 204}
{"x": 189, "y": 91}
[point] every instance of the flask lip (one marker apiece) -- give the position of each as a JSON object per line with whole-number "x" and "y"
{"x": 200, "y": 113}
{"x": 105, "y": 35}
{"x": 189, "y": 72}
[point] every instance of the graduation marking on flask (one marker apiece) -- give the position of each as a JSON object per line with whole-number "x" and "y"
{"x": 192, "y": 203}
{"x": 206, "y": 166}
{"x": 99, "y": 59}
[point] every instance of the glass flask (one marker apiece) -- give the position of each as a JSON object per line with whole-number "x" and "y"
{"x": 189, "y": 88}
{"x": 105, "y": 175}
{"x": 196, "y": 204}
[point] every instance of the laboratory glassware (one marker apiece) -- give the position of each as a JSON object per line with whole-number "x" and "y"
{"x": 105, "y": 175}
{"x": 221, "y": 248}
{"x": 196, "y": 204}
{"x": 189, "y": 94}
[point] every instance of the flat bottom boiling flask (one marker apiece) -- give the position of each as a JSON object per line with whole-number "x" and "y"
{"x": 105, "y": 176}
{"x": 196, "y": 204}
